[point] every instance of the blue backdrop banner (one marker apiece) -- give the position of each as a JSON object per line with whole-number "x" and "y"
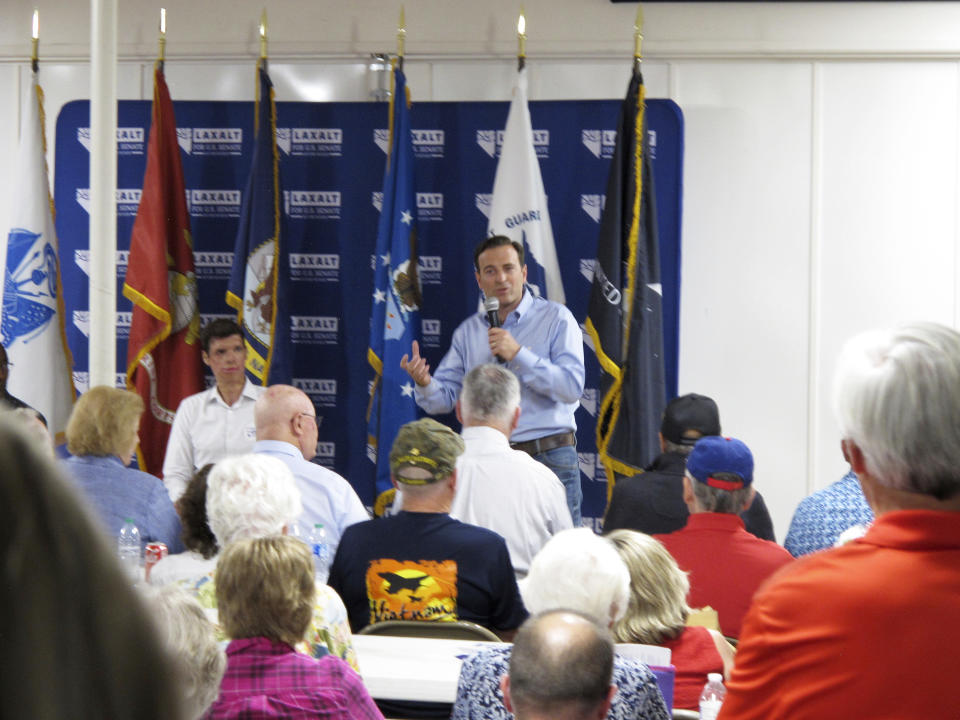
{"x": 332, "y": 160}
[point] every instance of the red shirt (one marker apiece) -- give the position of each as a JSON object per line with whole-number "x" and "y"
{"x": 726, "y": 564}
{"x": 867, "y": 630}
{"x": 694, "y": 654}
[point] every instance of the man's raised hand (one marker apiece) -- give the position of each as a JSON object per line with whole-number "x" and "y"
{"x": 416, "y": 366}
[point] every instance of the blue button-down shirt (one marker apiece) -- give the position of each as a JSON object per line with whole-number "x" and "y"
{"x": 117, "y": 492}
{"x": 549, "y": 366}
{"x": 327, "y": 498}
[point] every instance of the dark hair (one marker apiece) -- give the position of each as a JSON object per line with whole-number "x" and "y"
{"x": 560, "y": 658}
{"x": 192, "y": 507}
{"x": 496, "y": 241}
{"x": 219, "y": 328}
{"x": 65, "y": 600}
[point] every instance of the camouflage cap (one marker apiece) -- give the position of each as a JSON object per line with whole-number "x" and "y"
{"x": 428, "y": 445}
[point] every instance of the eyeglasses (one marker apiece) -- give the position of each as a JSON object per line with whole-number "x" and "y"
{"x": 313, "y": 417}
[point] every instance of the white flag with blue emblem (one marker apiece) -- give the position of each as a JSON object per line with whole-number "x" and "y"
{"x": 519, "y": 205}
{"x": 33, "y": 315}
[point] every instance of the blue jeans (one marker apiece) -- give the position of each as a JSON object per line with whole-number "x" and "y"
{"x": 566, "y": 464}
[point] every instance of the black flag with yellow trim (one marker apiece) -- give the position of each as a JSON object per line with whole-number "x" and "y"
{"x": 625, "y": 319}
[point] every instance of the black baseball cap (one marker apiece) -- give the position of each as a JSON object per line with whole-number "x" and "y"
{"x": 690, "y": 412}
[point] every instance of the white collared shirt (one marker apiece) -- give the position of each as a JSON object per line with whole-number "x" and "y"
{"x": 509, "y": 492}
{"x": 206, "y": 430}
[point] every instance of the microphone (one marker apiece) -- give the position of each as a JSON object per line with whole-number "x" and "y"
{"x": 491, "y": 306}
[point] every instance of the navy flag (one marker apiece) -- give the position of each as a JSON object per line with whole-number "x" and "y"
{"x": 257, "y": 289}
{"x": 395, "y": 314}
{"x": 624, "y": 319}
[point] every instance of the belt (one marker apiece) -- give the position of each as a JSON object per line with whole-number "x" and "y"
{"x": 534, "y": 447}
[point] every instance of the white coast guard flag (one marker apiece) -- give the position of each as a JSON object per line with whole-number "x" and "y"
{"x": 518, "y": 208}
{"x": 31, "y": 325}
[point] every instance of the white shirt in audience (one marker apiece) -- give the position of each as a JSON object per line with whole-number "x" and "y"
{"x": 507, "y": 491}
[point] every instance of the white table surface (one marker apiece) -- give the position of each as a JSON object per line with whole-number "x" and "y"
{"x": 405, "y": 668}
{"x": 427, "y": 669}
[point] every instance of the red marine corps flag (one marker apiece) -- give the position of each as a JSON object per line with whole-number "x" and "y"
{"x": 163, "y": 354}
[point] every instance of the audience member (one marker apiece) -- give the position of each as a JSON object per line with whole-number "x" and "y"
{"x": 499, "y": 488}
{"x": 871, "y": 629}
{"x": 287, "y": 429}
{"x": 657, "y": 615}
{"x": 200, "y": 560}
{"x": 421, "y": 564}
{"x": 7, "y": 400}
{"x": 36, "y": 428}
{"x": 824, "y": 516}
{"x": 560, "y": 669}
{"x": 265, "y": 593}
{"x": 102, "y": 437}
{"x": 652, "y": 502}
{"x": 253, "y": 496}
{"x": 580, "y": 571}
{"x": 75, "y": 640}
{"x": 218, "y": 422}
{"x": 726, "y": 563}
{"x": 191, "y": 642}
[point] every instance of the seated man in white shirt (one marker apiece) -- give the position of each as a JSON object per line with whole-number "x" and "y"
{"x": 287, "y": 430}
{"x": 216, "y": 423}
{"x": 499, "y": 488}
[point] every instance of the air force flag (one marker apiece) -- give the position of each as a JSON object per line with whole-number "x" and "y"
{"x": 519, "y": 206}
{"x": 32, "y": 320}
{"x": 395, "y": 314}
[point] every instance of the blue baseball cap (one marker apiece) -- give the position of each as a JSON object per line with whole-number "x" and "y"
{"x": 715, "y": 454}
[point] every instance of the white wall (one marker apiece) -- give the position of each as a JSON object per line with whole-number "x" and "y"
{"x": 821, "y": 155}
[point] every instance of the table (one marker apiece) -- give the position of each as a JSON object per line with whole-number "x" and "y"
{"x": 427, "y": 669}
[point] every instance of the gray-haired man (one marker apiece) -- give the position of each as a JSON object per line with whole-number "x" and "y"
{"x": 499, "y": 488}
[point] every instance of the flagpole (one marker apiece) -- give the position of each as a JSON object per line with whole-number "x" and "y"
{"x": 34, "y": 55}
{"x": 638, "y": 37}
{"x": 401, "y": 38}
{"x": 162, "y": 41}
{"x": 103, "y": 193}
{"x": 521, "y": 41}
{"x": 263, "y": 38}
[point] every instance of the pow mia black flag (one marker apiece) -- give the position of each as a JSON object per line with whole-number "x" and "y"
{"x": 625, "y": 319}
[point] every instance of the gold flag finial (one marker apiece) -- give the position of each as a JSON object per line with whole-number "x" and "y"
{"x": 263, "y": 34}
{"x": 35, "y": 35}
{"x": 401, "y": 36}
{"x": 521, "y": 40}
{"x": 638, "y": 34}
{"x": 162, "y": 42}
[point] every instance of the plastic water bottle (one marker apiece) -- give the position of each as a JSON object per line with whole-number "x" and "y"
{"x": 712, "y": 697}
{"x": 321, "y": 552}
{"x": 128, "y": 549}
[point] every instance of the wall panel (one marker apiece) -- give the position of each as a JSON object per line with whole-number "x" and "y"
{"x": 744, "y": 301}
{"x": 888, "y": 197}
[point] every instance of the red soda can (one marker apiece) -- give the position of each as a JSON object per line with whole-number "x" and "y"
{"x": 152, "y": 554}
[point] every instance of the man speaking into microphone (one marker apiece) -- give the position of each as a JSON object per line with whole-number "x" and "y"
{"x": 538, "y": 340}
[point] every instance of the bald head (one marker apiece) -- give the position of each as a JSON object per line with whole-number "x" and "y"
{"x": 286, "y": 414}
{"x": 560, "y": 667}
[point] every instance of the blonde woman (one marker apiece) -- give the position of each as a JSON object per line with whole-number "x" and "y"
{"x": 265, "y": 595}
{"x": 657, "y": 614}
{"x": 102, "y": 437}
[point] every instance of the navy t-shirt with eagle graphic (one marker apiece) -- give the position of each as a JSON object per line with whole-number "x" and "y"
{"x": 426, "y": 566}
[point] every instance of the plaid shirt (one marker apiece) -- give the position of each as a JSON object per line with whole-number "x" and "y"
{"x": 268, "y": 679}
